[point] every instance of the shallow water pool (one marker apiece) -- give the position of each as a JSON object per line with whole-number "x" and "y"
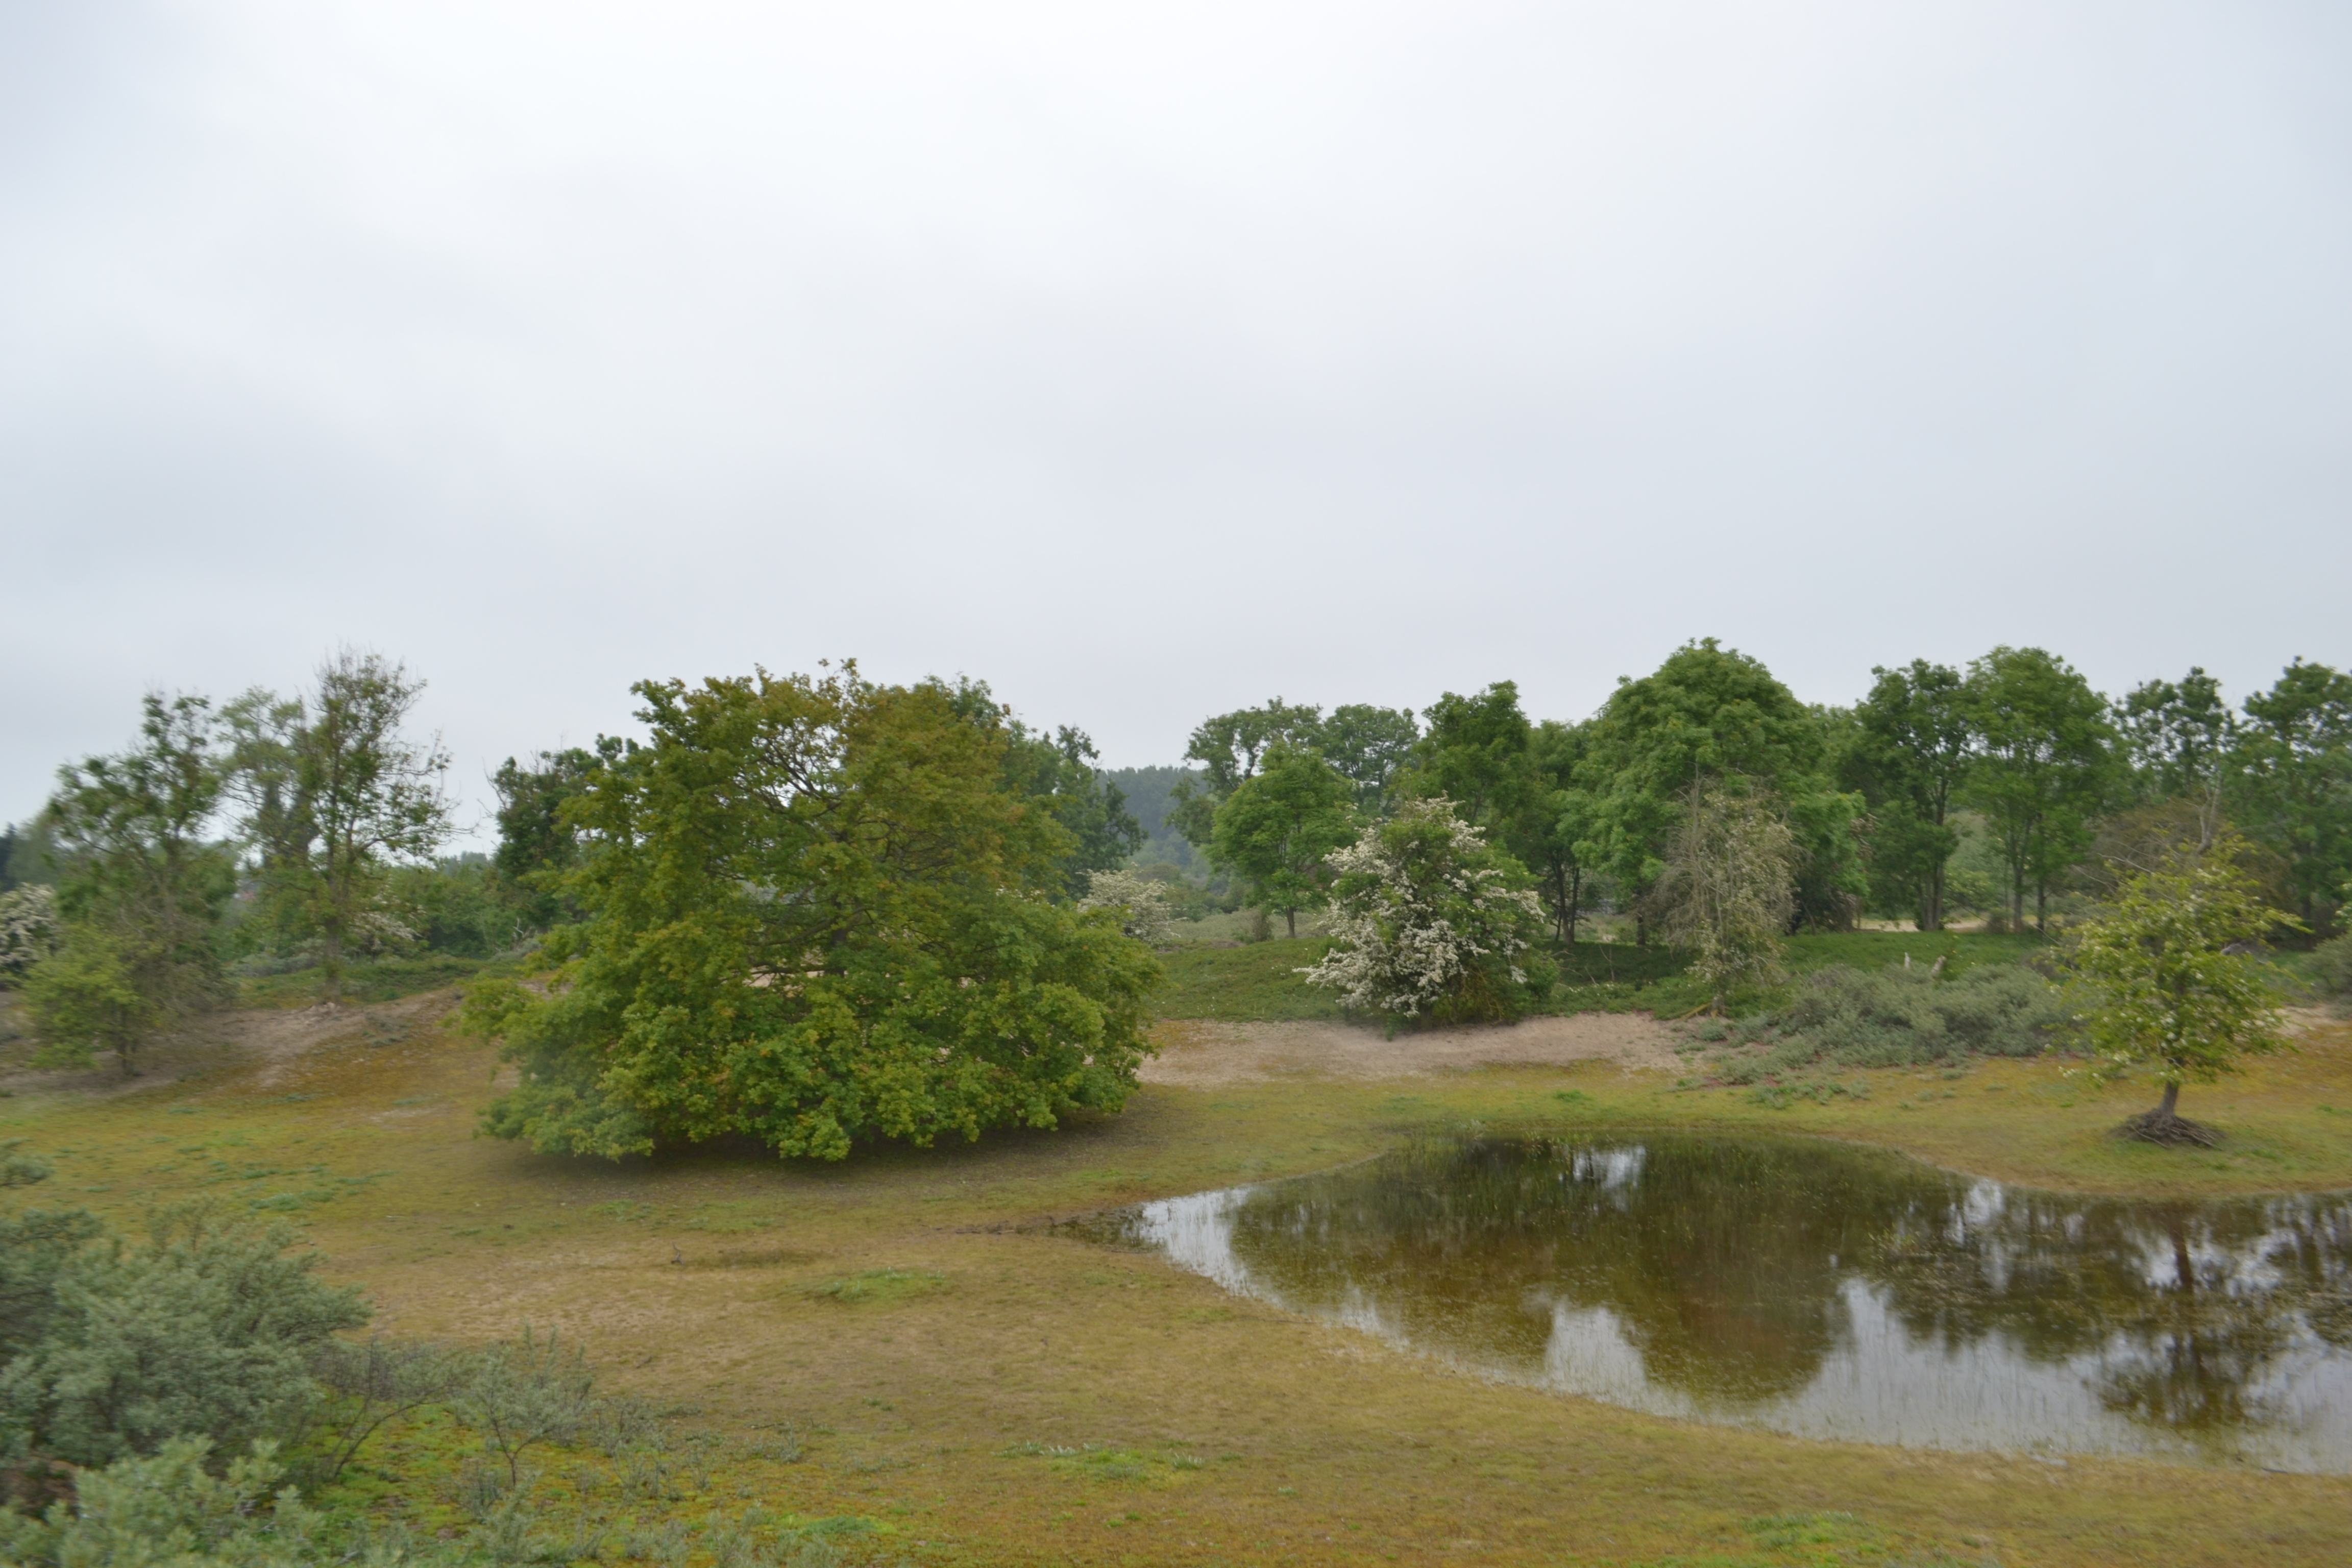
{"x": 1820, "y": 1290}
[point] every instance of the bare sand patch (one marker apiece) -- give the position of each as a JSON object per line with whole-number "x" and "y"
{"x": 1196, "y": 1052}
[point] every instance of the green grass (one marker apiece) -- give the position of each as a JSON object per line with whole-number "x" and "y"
{"x": 882, "y": 1285}
{"x": 1257, "y": 981}
{"x": 1063, "y": 1401}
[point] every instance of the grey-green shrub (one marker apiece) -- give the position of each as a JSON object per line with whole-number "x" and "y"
{"x": 110, "y": 1348}
{"x": 1897, "y": 1018}
{"x": 167, "y": 1510}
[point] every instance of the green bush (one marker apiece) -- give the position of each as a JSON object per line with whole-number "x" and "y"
{"x": 168, "y": 1511}
{"x": 2331, "y": 966}
{"x": 1900, "y": 1017}
{"x": 109, "y": 1349}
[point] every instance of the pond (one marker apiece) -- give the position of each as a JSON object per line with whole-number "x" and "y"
{"x": 1820, "y": 1290}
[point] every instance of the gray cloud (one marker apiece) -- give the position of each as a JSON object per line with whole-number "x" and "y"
{"x": 1150, "y": 361}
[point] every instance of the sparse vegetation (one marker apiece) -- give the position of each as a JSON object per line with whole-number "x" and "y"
{"x": 1847, "y": 1018}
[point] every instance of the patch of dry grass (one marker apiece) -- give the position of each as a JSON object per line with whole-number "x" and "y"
{"x": 1042, "y": 1399}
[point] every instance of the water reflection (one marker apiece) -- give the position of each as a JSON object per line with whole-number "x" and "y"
{"x": 1822, "y": 1290}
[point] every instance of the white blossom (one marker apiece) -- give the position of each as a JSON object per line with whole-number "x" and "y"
{"x": 28, "y": 928}
{"x": 1414, "y": 911}
{"x": 1141, "y": 903}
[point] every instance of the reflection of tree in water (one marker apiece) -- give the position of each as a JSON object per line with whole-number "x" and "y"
{"x": 1723, "y": 1262}
{"x": 1720, "y": 1260}
{"x": 2186, "y": 1306}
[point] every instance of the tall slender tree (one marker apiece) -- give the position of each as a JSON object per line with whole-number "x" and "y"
{"x": 1368, "y": 746}
{"x": 2045, "y": 765}
{"x": 336, "y": 793}
{"x": 142, "y": 889}
{"x": 1709, "y": 711}
{"x": 1279, "y": 825}
{"x": 2176, "y": 735}
{"x": 1228, "y": 747}
{"x": 2293, "y": 783}
{"x": 1909, "y": 755}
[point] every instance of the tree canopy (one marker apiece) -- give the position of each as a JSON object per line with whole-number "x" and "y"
{"x": 1710, "y": 711}
{"x": 2170, "y": 984}
{"x": 818, "y": 910}
{"x": 2045, "y": 765}
{"x": 1277, "y": 827}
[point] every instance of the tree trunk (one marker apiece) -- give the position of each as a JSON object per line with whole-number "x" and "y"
{"x": 1935, "y": 899}
{"x": 2040, "y": 908}
{"x": 2165, "y": 1124}
{"x": 1575, "y": 894}
{"x": 1290, "y": 919}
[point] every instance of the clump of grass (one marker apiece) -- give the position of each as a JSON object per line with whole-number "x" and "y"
{"x": 880, "y": 1285}
{"x": 1897, "y": 1018}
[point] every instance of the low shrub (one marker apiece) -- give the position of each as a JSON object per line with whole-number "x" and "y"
{"x": 2331, "y": 966}
{"x": 1897, "y": 1018}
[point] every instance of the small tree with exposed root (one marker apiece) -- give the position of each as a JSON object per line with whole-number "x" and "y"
{"x": 2166, "y": 979}
{"x": 1728, "y": 887}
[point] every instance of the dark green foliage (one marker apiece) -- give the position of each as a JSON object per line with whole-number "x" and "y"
{"x": 462, "y": 907}
{"x": 1555, "y": 814}
{"x": 1056, "y": 770}
{"x": 2178, "y": 735}
{"x": 1148, "y": 795}
{"x": 537, "y": 845}
{"x": 1900, "y": 1017}
{"x": 1711, "y": 711}
{"x": 169, "y": 1511}
{"x": 1369, "y": 746}
{"x": 32, "y": 854}
{"x": 1476, "y": 754}
{"x": 1228, "y": 747}
{"x": 2046, "y": 765}
{"x": 818, "y": 910}
{"x": 1907, "y": 754}
{"x": 1060, "y": 774}
{"x": 2292, "y": 788}
{"x": 1275, "y": 828}
{"x": 1517, "y": 783}
{"x": 2332, "y": 967}
{"x": 140, "y": 889}
{"x": 109, "y": 1347}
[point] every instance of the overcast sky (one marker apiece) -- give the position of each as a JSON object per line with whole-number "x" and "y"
{"x": 1150, "y": 361}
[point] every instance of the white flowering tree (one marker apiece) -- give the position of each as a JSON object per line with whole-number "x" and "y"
{"x": 1432, "y": 921}
{"x": 1141, "y": 903}
{"x": 28, "y": 929}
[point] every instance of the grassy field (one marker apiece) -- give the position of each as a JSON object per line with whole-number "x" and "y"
{"x": 965, "y": 1383}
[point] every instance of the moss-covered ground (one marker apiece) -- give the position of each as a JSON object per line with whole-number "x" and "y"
{"x": 905, "y": 1344}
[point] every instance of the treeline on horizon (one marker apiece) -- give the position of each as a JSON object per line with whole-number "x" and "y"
{"x": 2004, "y": 787}
{"x": 817, "y": 909}
{"x": 2014, "y": 767}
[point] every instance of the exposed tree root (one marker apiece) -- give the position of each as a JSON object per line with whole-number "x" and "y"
{"x": 2161, "y": 1126}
